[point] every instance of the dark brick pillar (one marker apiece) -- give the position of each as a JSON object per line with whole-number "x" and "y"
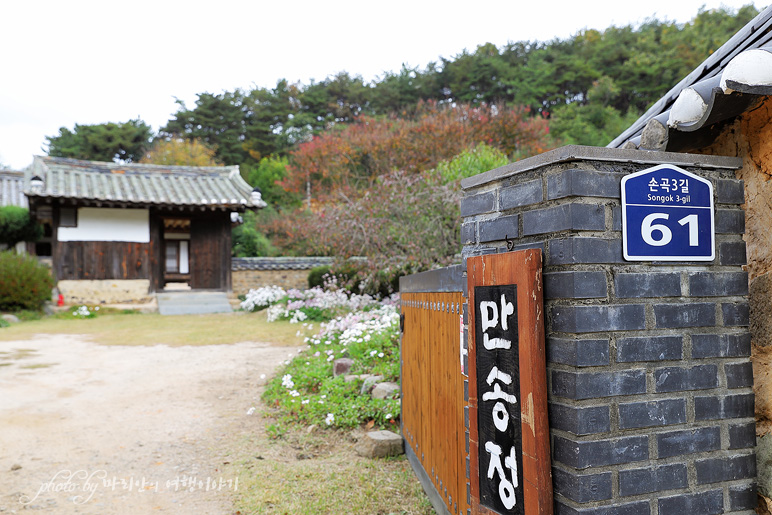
{"x": 651, "y": 399}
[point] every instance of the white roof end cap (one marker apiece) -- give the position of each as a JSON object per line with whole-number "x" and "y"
{"x": 752, "y": 67}
{"x": 688, "y": 108}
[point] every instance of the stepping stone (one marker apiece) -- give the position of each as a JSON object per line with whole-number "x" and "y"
{"x": 379, "y": 444}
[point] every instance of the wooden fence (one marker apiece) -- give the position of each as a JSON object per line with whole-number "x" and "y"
{"x": 433, "y": 418}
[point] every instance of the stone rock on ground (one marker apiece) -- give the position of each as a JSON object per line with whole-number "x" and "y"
{"x": 11, "y": 319}
{"x": 385, "y": 390}
{"x": 354, "y": 377}
{"x": 369, "y": 383}
{"x": 342, "y": 366}
{"x": 379, "y": 444}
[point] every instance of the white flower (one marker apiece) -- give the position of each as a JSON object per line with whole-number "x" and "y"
{"x": 373, "y": 353}
{"x": 330, "y": 419}
{"x": 324, "y": 396}
{"x": 294, "y": 393}
{"x": 380, "y": 354}
{"x": 262, "y": 376}
{"x": 305, "y": 401}
{"x": 251, "y": 410}
{"x": 388, "y": 416}
{"x": 330, "y": 358}
{"x": 262, "y": 297}
{"x": 287, "y": 382}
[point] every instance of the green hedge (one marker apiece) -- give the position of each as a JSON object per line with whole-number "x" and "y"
{"x": 24, "y": 283}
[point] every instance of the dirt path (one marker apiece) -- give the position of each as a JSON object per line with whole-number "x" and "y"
{"x": 86, "y": 428}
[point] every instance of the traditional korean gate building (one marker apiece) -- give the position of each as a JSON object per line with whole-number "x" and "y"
{"x": 121, "y": 231}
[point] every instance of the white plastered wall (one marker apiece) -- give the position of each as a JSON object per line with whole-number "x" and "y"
{"x": 108, "y": 224}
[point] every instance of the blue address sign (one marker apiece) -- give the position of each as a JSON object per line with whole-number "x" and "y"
{"x": 667, "y": 215}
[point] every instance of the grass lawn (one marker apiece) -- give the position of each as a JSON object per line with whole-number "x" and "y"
{"x": 153, "y": 329}
{"x": 319, "y": 473}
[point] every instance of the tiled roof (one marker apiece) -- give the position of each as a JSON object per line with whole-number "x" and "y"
{"x": 729, "y": 82}
{"x": 11, "y": 193}
{"x": 279, "y": 263}
{"x": 140, "y": 184}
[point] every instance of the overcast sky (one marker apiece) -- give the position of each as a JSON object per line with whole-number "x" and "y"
{"x": 86, "y": 62}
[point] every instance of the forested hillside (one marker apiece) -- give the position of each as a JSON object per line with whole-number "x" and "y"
{"x": 314, "y": 148}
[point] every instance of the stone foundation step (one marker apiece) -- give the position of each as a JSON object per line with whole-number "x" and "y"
{"x": 193, "y": 303}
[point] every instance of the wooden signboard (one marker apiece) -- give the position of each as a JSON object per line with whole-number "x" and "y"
{"x": 509, "y": 432}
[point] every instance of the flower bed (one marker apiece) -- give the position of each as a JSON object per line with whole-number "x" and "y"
{"x": 357, "y": 327}
{"x": 314, "y": 305}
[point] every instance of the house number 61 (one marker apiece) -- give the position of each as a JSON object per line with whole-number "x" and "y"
{"x": 648, "y": 228}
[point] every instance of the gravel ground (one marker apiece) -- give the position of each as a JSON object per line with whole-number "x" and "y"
{"x": 86, "y": 428}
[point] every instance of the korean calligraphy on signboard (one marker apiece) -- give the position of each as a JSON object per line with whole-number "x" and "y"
{"x": 498, "y": 388}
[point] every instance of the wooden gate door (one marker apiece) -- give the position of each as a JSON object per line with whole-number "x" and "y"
{"x": 210, "y": 238}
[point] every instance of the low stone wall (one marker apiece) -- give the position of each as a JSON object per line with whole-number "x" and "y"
{"x": 245, "y": 280}
{"x": 110, "y": 291}
{"x": 286, "y": 272}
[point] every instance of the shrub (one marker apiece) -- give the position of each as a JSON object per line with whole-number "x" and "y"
{"x": 24, "y": 283}
{"x": 248, "y": 241}
{"x": 16, "y": 225}
{"x": 316, "y": 276}
{"x": 403, "y": 221}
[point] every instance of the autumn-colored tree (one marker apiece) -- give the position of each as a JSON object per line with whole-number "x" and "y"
{"x": 405, "y": 221}
{"x": 354, "y": 156}
{"x": 178, "y": 151}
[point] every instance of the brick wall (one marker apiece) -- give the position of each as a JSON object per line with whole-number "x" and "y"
{"x": 650, "y": 381}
